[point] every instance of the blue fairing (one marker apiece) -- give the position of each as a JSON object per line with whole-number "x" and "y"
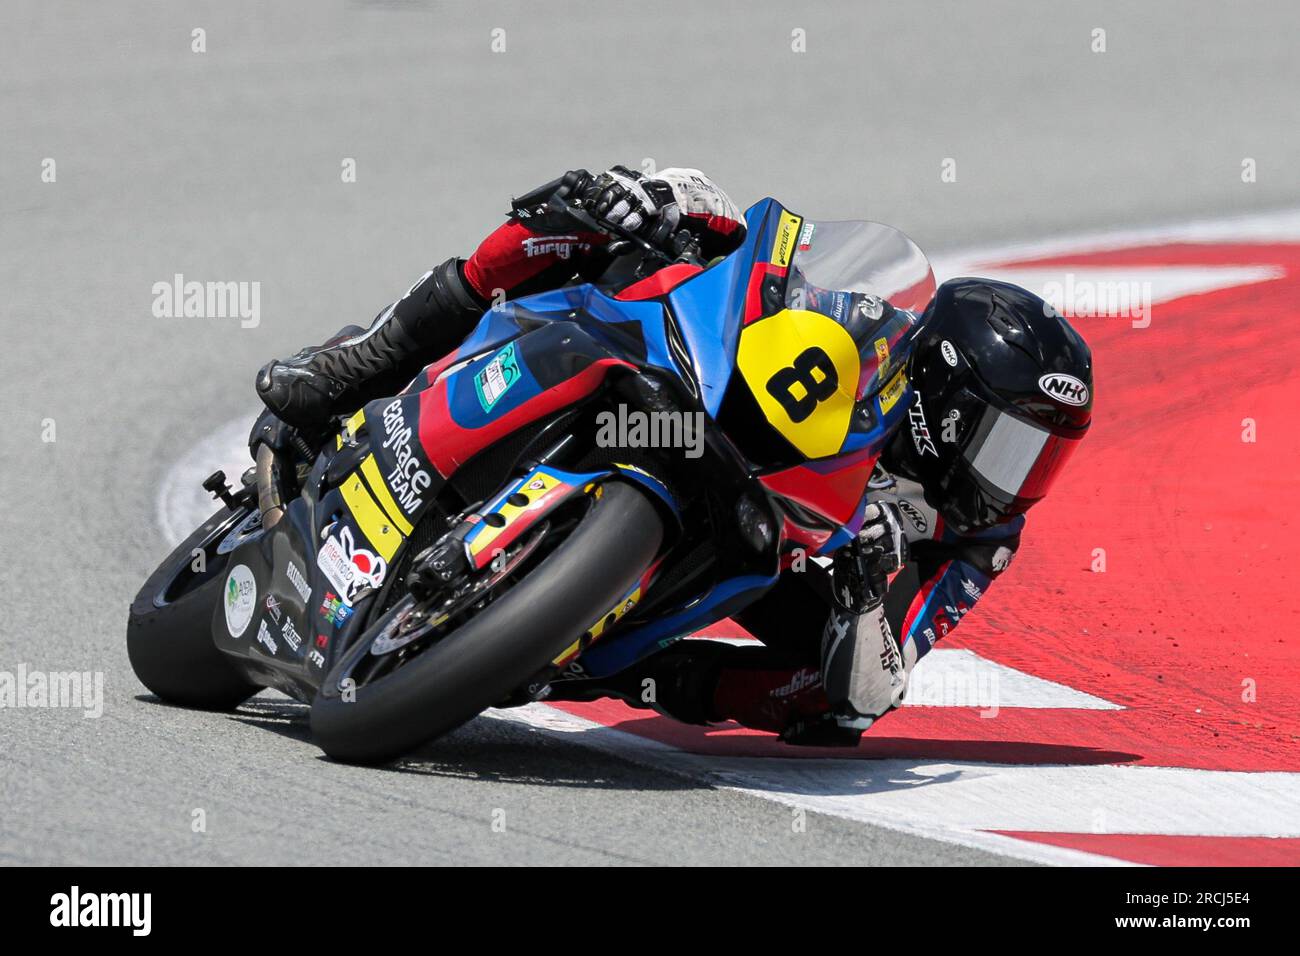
{"x": 623, "y": 650}
{"x": 709, "y": 310}
{"x": 600, "y": 315}
{"x": 711, "y": 307}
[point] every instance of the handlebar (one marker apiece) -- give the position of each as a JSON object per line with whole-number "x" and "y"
{"x": 683, "y": 238}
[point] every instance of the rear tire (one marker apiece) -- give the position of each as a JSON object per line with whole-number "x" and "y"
{"x": 169, "y": 631}
{"x": 501, "y": 648}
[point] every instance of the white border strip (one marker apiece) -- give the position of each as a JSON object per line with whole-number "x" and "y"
{"x": 663, "y": 757}
{"x": 1279, "y": 226}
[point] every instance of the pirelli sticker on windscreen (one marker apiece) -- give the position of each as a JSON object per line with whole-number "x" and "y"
{"x": 787, "y": 231}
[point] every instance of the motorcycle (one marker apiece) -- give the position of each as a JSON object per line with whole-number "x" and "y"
{"x": 477, "y": 538}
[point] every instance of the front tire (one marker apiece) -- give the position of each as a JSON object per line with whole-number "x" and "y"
{"x": 169, "y": 631}
{"x": 499, "y": 649}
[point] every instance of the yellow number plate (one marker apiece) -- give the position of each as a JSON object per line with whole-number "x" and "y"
{"x": 802, "y": 368}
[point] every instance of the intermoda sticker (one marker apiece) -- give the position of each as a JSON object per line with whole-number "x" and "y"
{"x": 350, "y": 568}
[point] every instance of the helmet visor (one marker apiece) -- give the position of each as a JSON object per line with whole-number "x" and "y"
{"x": 1015, "y": 461}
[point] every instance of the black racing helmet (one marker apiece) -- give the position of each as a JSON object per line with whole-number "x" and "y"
{"x": 1002, "y": 396}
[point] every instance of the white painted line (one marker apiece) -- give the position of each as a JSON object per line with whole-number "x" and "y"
{"x": 772, "y": 780}
{"x": 960, "y": 801}
{"x": 1277, "y": 226}
{"x": 957, "y": 677}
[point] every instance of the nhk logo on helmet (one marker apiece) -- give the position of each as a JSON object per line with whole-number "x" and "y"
{"x": 920, "y": 428}
{"x": 1064, "y": 388}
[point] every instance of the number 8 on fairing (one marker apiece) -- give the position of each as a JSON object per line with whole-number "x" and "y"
{"x": 799, "y": 407}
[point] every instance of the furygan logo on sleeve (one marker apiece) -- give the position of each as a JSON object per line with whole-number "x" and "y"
{"x": 562, "y": 247}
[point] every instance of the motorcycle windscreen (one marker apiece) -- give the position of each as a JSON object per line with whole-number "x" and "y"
{"x": 865, "y": 257}
{"x": 1014, "y": 460}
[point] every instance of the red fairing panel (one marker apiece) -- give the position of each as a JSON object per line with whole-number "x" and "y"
{"x": 660, "y": 283}
{"x": 448, "y": 445}
{"x": 833, "y": 494}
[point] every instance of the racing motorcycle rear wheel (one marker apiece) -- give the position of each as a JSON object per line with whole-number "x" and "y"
{"x": 369, "y": 714}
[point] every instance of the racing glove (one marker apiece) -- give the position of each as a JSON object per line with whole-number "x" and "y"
{"x": 864, "y": 671}
{"x": 646, "y": 207}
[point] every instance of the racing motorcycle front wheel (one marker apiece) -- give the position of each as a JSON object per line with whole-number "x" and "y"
{"x": 398, "y": 687}
{"x": 169, "y": 631}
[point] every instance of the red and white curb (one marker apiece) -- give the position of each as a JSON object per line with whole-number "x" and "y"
{"x": 1113, "y": 698}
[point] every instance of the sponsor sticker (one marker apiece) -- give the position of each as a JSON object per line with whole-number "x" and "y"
{"x": 264, "y": 637}
{"x": 273, "y": 608}
{"x": 290, "y": 635}
{"x": 408, "y": 479}
{"x": 299, "y": 582}
{"x": 783, "y": 247}
{"x": 949, "y": 352}
{"x": 891, "y": 393}
{"x": 805, "y": 236}
{"x": 497, "y": 377}
{"x": 882, "y": 355}
{"x": 349, "y": 568}
{"x": 334, "y": 611}
{"x": 1064, "y": 388}
{"x": 240, "y": 599}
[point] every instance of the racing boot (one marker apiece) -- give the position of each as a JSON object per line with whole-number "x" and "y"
{"x": 343, "y": 374}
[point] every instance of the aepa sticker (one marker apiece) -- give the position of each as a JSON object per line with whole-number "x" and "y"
{"x": 349, "y": 568}
{"x": 240, "y": 600}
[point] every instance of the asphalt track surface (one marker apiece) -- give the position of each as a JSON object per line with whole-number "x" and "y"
{"x": 226, "y": 165}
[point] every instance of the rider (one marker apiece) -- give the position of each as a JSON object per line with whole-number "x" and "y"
{"x": 1001, "y": 396}
{"x": 530, "y": 252}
